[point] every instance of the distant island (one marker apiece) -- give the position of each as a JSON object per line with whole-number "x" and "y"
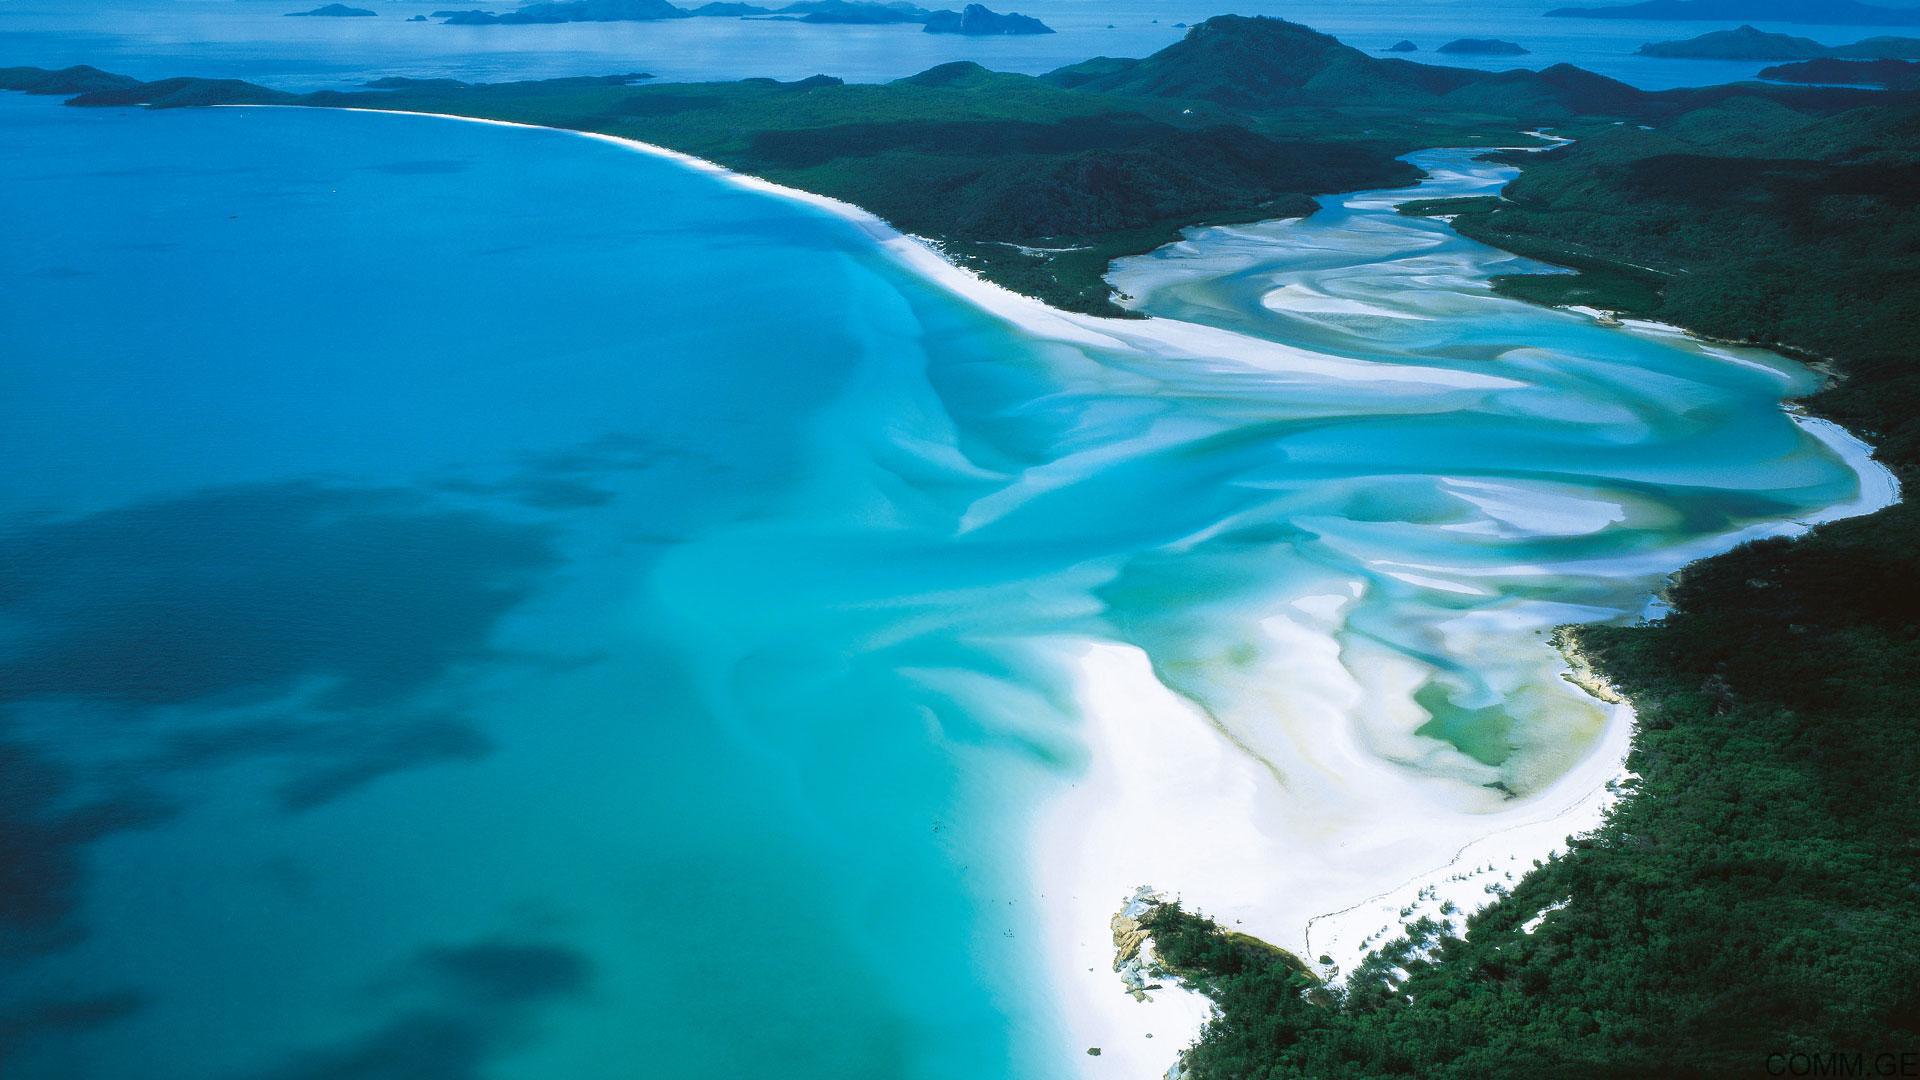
{"x": 66, "y": 81}
{"x": 1746, "y": 43}
{"x": 978, "y": 20}
{"x": 1749, "y": 43}
{"x": 1892, "y": 74}
{"x": 842, "y": 12}
{"x": 975, "y": 20}
{"x": 1403, "y": 46}
{"x": 1482, "y": 47}
{"x": 401, "y": 82}
{"x": 568, "y": 12}
{"x": 1816, "y": 12}
{"x": 333, "y": 11}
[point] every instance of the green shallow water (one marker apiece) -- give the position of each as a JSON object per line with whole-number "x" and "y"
{"x": 483, "y": 602}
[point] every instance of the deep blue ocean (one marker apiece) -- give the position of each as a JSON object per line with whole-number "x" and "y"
{"x": 485, "y": 602}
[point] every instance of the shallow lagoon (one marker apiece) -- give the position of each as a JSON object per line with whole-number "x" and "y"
{"x": 491, "y": 596}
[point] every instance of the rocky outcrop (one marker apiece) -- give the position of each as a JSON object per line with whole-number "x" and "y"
{"x": 979, "y": 21}
{"x": 1580, "y": 670}
{"x": 1133, "y": 944}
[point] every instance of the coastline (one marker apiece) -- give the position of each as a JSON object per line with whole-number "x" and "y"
{"x": 1146, "y": 744}
{"x": 1166, "y": 337}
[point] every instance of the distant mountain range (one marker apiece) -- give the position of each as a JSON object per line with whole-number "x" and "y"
{"x": 1749, "y": 43}
{"x": 1817, "y": 12}
{"x": 974, "y": 20}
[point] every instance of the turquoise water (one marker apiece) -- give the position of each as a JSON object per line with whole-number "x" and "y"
{"x": 483, "y": 602}
{"x": 252, "y": 39}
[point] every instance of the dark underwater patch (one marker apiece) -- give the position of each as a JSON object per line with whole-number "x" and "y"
{"x": 471, "y": 1004}
{"x": 508, "y": 973}
{"x": 244, "y": 593}
{"x": 430, "y": 167}
{"x": 357, "y": 598}
{"x": 327, "y": 756}
{"x": 28, "y": 1023}
{"x": 44, "y": 827}
{"x": 386, "y": 750}
{"x": 566, "y": 479}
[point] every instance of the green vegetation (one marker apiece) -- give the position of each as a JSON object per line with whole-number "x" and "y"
{"x": 1892, "y": 74}
{"x": 1817, "y": 12}
{"x": 1483, "y": 47}
{"x": 1745, "y": 43}
{"x": 1749, "y": 43}
{"x": 66, "y": 81}
{"x": 333, "y": 11}
{"x": 977, "y": 20}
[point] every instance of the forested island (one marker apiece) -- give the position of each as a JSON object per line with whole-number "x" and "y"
{"x": 1483, "y": 47}
{"x": 1813, "y": 12}
{"x": 977, "y": 20}
{"x": 1756, "y": 891}
{"x": 1892, "y": 74}
{"x": 1750, "y": 43}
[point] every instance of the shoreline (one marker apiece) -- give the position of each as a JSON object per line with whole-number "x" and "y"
{"x": 1145, "y": 744}
{"x": 1600, "y": 781}
{"x": 1166, "y": 338}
